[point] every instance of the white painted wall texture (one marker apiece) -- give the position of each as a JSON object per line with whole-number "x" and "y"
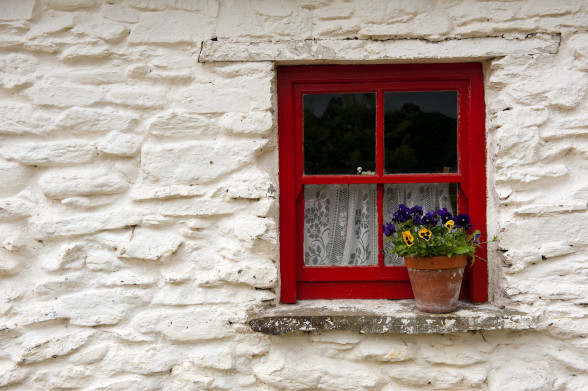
{"x": 138, "y": 209}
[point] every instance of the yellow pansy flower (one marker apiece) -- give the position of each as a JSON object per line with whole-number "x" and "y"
{"x": 425, "y": 233}
{"x": 408, "y": 238}
{"x": 449, "y": 224}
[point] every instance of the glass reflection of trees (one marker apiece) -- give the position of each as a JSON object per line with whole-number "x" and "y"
{"x": 420, "y": 133}
{"x": 339, "y": 133}
{"x": 420, "y": 142}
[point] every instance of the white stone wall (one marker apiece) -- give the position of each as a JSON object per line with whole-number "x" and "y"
{"x": 138, "y": 209}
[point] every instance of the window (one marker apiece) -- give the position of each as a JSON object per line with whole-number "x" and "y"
{"x": 354, "y": 142}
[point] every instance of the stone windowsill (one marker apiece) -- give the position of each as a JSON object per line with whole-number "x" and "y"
{"x": 385, "y": 316}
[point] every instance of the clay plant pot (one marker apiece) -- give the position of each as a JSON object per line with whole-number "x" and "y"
{"x": 436, "y": 281}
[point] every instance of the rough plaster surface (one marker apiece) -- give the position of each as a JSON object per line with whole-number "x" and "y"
{"x": 138, "y": 209}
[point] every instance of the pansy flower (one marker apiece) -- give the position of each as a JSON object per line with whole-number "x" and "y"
{"x": 449, "y": 224}
{"x": 389, "y": 229}
{"x": 408, "y": 238}
{"x": 477, "y": 238}
{"x": 445, "y": 215}
{"x": 430, "y": 218}
{"x": 463, "y": 220}
{"x": 416, "y": 220}
{"x": 417, "y": 210}
{"x": 425, "y": 233}
{"x": 402, "y": 215}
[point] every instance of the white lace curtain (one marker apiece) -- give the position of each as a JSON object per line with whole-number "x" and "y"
{"x": 341, "y": 223}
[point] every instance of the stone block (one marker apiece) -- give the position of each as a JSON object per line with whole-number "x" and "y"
{"x": 253, "y": 123}
{"x": 385, "y": 349}
{"x": 70, "y": 5}
{"x": 72, "y": 151}
{"x": 544, "y": 8}
{"x": 14, "y": 178}
{"x": 82, "y": 224}
{"x": 120, "y": 13}
{"x": 147, "y": 245}
{"x": 180, "y": 124}
{"x": 41, "y": 346}
{"x": 89, "y": 355}
{"x": 171, "y": 27}
{"x": 191, "y": 324}
{"x": 96, "y": 307}
{"x": 69, "y": 257}
{"x": 252, "y": 184}
{"x": 109, "y": 32}
{"x": 94, "y": 76}
{"x": 14, "y": 209}
{"x": 142, "y": 97}
{"x": 431, "y": 25}
{"x": 18, "y": 71}
{"x": 253, "y": 271}
{"x": 527, "y": 174}
{"x": 85, "y": 52}
{"x": 188, "y": 293}
{"x": 18, "y": 119}
{"x": 12, "y": 374}
{"x": 17, "y": 9}
{"x": 242, "y": 94}
{"x": 152, "y": 359}
{"x": 9, "y": 264}
{"x": 60, "y": 184}
{"x": 121, "y": 144}
{"x": 51, "y": 22}
{"x": 279, "y": 8}
{"x": 195, "y": 162}
{"x": 90, "y": 120}
{"x": 63, "y": 95}
{"x": 100, "y": 260}
{"x": 187, "y": 375}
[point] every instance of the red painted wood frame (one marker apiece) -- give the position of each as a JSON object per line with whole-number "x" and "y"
{"x": 378, "y": 281}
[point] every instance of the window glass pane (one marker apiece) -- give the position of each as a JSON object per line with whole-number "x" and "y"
{"x": 339, "y": 133}
{"x": 420, "y": 132}
{"x": 431, "y": 196}
{"x": 340, "y": 225}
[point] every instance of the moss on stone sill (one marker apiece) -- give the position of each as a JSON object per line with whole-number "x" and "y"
{"x": 384, "y": 316}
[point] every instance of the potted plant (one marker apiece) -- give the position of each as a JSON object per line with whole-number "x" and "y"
{"x": 435, "y": 246}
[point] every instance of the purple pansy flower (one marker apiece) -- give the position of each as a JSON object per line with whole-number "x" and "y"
{"x": 463, "y": 220}
{"x": 389, "y": 229}
{"x": 416, "y": 210}
{"x": 430, "y": 218}
{"x": 445, "y": 215}
{"x": 416, "y": 219}
{"x": 477, "y": 238}
{"x": 402, "y": 215}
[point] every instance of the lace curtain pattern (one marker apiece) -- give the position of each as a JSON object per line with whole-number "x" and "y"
{"x": 340, "y": 225}
{"x": 341, "y": 222}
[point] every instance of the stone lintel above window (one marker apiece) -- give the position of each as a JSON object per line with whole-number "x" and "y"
{"x": 333, "y": 51}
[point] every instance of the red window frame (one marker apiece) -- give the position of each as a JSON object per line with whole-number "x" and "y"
{"x": 299, "y": 282}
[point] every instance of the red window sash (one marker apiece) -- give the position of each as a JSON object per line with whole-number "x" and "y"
{"x": 379, "y": 281}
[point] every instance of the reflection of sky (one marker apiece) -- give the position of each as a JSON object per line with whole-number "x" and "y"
{"x": 444, "y": 102}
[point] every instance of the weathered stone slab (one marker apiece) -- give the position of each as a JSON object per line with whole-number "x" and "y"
{"x": 368, "y": 50}
{"x": 82, "y": 182}
{"x": 383, "y": 317}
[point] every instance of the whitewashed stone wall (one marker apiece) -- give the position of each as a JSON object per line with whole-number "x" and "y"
{"x": 138, "y": 209}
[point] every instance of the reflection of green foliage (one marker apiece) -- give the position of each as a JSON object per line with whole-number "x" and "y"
{"x": 343, "y": 137}
{"x": 416, "y": 141}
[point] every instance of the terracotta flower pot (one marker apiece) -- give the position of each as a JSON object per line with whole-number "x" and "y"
{"x": 436, "y": 281}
